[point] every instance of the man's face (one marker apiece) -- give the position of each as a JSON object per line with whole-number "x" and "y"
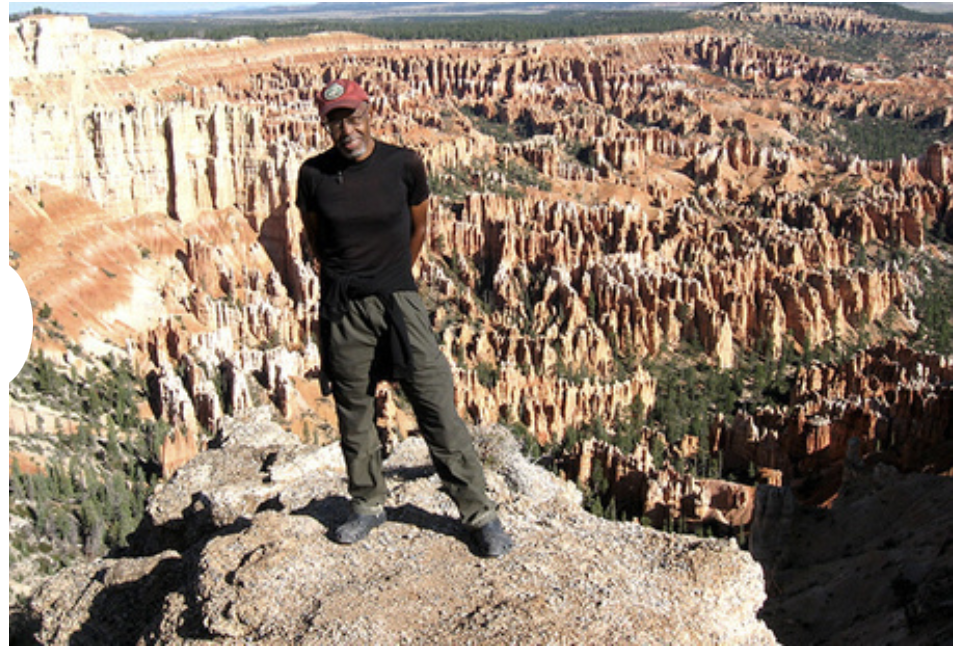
{"x": 350, "y": 132}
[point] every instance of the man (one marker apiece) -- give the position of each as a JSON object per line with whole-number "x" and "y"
{"x": 364, "y": 205}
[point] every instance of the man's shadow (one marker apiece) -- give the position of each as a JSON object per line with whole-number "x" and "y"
{"x": 331, "y": 511}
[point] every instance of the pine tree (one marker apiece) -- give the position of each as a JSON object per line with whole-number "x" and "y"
{"x": 611, "y": 512}
{"x": 93, "y": 526}
{"x": 18, "y": 481}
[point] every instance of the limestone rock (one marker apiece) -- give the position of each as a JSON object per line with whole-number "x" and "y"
{"x": 658, "y": 192}
{"x": 894, "y": 401}
{"x": 635, "y": 274}
{"x": 253, "y": 564}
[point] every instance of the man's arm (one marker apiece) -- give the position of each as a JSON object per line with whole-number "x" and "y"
{"x": 309, "y": 220}
{"x": 420, "y": 220}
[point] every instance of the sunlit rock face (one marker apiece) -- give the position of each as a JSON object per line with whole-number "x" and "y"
{"x": 597, "y": 202}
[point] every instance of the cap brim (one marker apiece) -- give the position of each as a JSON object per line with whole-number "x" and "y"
{"x": 348, "y": 103}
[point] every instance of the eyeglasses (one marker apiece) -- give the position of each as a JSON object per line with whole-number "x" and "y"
{"x": 354, "y": 120}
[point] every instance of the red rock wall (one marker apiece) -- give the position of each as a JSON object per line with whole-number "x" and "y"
{"x": 672, "y": 207}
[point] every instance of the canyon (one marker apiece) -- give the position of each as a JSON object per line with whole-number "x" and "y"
{"x": 602, "y": 207}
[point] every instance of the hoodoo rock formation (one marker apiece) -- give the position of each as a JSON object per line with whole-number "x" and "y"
{"x": 888, "y": 405}
{"x": 598, "y": 205}
{"x": 890, "y": 402}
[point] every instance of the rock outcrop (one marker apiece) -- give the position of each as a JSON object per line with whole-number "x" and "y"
{"x": 597, "y": 203}
{"x": 702, "y": 231}
{"x": 876, "y": 565}
{"x": 43, "y": 45}
{"x": 234, "y": 551}
{"x": 889, "y": 404}
{"x": 894, "y": 403}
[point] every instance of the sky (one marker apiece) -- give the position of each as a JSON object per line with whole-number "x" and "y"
{"x": 137, "y": 7}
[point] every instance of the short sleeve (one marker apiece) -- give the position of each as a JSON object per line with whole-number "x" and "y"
{"x": 302, "y": 189}
{"x": 416, "y": 180}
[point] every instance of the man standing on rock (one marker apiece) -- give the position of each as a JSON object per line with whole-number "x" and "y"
{"x": 364, "y": 205}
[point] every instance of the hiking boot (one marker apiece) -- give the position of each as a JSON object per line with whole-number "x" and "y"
{"x": 358, "y": 526}
{"x": 491, "y": 540}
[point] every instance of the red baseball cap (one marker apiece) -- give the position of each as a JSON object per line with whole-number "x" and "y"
{"x": 341, "y": 94}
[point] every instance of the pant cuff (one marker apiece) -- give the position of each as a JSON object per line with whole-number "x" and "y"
{"x": 481, "y": 519}
{"x": 366, "y": 509}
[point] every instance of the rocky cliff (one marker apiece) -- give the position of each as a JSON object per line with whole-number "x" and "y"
{"x": 888, "y": 405}
{"x": 876, "y": 565}
{"x": 601, "y": 207}
{"x": 678, "y": 233}
{"x": 234, "y": 552}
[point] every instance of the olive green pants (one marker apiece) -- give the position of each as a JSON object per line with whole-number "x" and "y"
{"x": 350, "y": 350}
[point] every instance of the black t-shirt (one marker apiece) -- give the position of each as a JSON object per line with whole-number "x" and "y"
{"x": 356, "y": 215}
